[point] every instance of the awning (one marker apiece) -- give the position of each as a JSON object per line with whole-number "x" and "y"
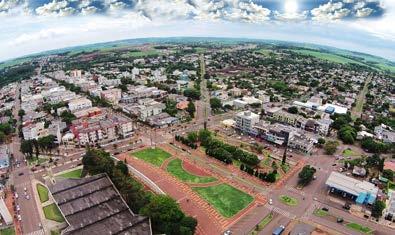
{"x": 361, "y": 198}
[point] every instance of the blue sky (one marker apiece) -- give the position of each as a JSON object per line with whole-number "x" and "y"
{"x": 29, "y": 26}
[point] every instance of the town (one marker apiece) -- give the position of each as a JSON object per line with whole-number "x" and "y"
{"x": 197, "y": 138}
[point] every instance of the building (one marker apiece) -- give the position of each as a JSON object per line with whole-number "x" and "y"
{"x": 385, "y": 133}
{"x": 5, "y": 213}
{"x": 363, "y": 192}
{"x": 4, "y": 158}
{"x": 34, "y": 131}
{"x": 145, "y": 109}
{"x": 245, "y": 122}
{"x": 389, "y": 212}
{"x": 78, "y": 104}
{"x": 94, "y": 206}
{"x": 301, "y": 142}
{"x": 112, "y": 95}
{"x": 76, "y": 73}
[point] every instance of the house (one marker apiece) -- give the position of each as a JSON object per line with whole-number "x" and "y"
{"x": 4, "y": 158}
{"x": 300, "y": 142}
{"x": 161, "y": 120}
{"x": 182, "y": 105}
{"x": 385, "y": 133}
{"x": 78, "y": 104}
{"x": 239, "y": 104}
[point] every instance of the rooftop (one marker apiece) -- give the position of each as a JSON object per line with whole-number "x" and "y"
{"x": 350, "y": 185}
{"x": 93, "y": 206}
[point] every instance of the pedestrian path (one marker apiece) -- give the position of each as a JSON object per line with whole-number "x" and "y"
{"x": 38, "y": 232}
{"x": 280, "y": 211}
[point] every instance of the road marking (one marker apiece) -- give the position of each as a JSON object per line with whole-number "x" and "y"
{"x": 280, "y": 211}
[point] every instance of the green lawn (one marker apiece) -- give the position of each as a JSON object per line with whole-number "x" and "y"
{"x": 52, "y": 212}
{"x": 287, "y": 200}
{"x": 320, "y": 213}
{"x": 227, "y": 200}
{"x": 175, "y": 168}
{"x": 154, "y": 156}
{"x": 55, "y": 232}
{"x": 259, "y": 227}
{"x": 141, "y": 53}
{"x": 391, "y": 185}
{"x": 7, "y": 231}
{"x": 74, "y": 174}
{"x": 348, "y": 153}
{"x": 42, "y": 193}
{"x": 34, "y": 161}
{"x": 359, "y": 228}
{"x": 328, "y": 56}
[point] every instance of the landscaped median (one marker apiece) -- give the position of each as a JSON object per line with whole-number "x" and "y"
{"x": 359, "y": 228}
{"x": 52, "y": 212}
{"x": 227, "y": 200}
{"x": 155, "y": 156}
{"x": 175, "y": 168}
{"x": 42, "y": 193}
{"x": 259, "y": 227}
{"x": 287, "y": 200}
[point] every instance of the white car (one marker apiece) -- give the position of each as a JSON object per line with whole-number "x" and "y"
{"x": 19, "y": 217}
{"x": 270, "y": 201}
{"x": 18, "y": 208}
{"x": 16, "y": 195}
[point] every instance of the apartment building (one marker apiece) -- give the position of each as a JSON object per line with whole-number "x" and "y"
{"x": 34, "y": 131}
{"x": 145, "y": 108}
{"x": 79, "y": 104}
{"x": 112, "y": 95}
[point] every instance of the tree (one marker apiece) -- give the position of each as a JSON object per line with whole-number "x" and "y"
{"x": 215, "y": 103}
{"x": 347, "y": 134}
{"x": 388, "y": 174}
{"x": 192, "y": 93}
{"x": 171, "y": 107}
{"x": 377, "y": 209}
{"x": 21, "y": 113}
{"x": 293, "y": 110}
{"x": 330, "y": 147}
{"x": 67, "y": 117}
{"x": 166, "y": 216}
{"x": 374, "y": 146}
{"x": 122, "y": 167}
{"x": 306, "y": 175}
{"x": 191, "y": 109}
{"x": 27, "y": 148}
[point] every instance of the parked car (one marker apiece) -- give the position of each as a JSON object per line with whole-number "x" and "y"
{"x": 325, "y": 209}
{"x": 279, "y": 230}
{"x": 339, "y": 220}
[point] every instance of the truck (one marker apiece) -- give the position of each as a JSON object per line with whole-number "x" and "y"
{"x": 278, "y": 230}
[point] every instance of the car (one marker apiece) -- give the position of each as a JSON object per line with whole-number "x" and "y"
{"x": 334, "y": 164}
{"x": 16, "y": 195}
{"x": 21, "y": 173}
{"x": 315, "y": 199}
{"x": 18, "y": 208}
{"x": 227, "y": 232}
{"x": 314, "y": 177}
{"x": 19, "y": 217}
{"x": 25, "y": 189}
{"x": 339, "y": 220}
{"x": 325, "y": 209}
{"x": 270, "y": 201}
{"x": 27, "y": 197}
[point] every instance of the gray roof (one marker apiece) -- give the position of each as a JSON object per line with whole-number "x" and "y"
{"x": 92, "y": 205}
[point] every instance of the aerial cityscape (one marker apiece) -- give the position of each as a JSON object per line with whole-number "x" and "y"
{"x": 203, "y": 117}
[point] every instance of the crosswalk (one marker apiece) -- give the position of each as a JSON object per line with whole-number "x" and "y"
{"x": 292, "y": 189}
{"x": 280, "y": 211}
{"x": 37, "y": 232}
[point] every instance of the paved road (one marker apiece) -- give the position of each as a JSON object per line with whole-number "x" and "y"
{"x": 21, "y": 177}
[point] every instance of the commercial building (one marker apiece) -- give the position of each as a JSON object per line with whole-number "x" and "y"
{"x": 4, "y": 158}
{"x": 363, "y": 192}
{"x": 112, "y": 95}
{"x": 245, "y": 122}
{"x": 94, "y": 206}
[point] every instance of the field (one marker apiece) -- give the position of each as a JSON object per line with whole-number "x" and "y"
{"x": 42, "y": 193}
{"x": 74, "y": 174}
{"x": 227, "y": 200}
{"x": 141, "y": 53}
{"x": 359, "y": 228}
{"x": 175, "y": 168}
{"x": 287, "y": 200}
{"x": 52, "y": 212}
{"x": 154, "y": 156}
{"x": 349, "y": 153}
{"x": 328, "y": 56}
{"x": 7, "y": 231}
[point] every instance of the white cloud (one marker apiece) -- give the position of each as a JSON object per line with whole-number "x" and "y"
{"x": 54, "y": 8}
{"x": 363, "y": 12}
{"x": 359, "y": 5}
{"x": 329, "y": 12}
{"x": 89, "y": 10}
{"x": 288, "y": 16}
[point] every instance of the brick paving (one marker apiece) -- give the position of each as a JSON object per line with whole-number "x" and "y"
{"x": 209, "y": 220}
{"x": 9, "y": 199}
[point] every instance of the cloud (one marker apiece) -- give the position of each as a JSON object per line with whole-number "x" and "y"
{"x": 330, "y": 12}
{"x": 286, "y": 16}
{"x": 363, "y": 12}
{"x": 55, "y": 8}
{"x": 6, "y": 6}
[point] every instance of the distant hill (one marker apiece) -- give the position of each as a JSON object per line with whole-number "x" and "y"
{"x": 322, "y": 52}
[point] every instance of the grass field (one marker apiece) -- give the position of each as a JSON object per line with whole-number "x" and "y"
{"x": 349, "y": 153}
{"x": 141, "y": 53}
{"x": 359, "y": 228}
{"x": 287, "y": 200}
{"x": 74, "y": 174}
{"x": 328, "y": 56}
{"x": 175, "y": 168}
{"x": 154, "y": 156}
{"x": 52, "y": 212}
{"x": 7, "y": 231}
{"x": 42, "y": 193}
{"x": 227, "y": 200}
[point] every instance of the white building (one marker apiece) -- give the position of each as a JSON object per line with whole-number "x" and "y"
{"x": 245, "y": 122}
{"x": 78, "y": 104}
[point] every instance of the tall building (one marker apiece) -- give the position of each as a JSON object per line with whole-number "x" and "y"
{"x": 245, "y": 122}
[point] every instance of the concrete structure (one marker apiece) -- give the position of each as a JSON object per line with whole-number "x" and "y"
{"x": 78, "y": 104}
{"x": 245, "y": 122}
{"x": 94, "y": 206}
{"x": 363, "y": 192}
{"x": 112, "y": 95}
{"x": 385, "y": 133}
{"x": 4, "y": 157}
{"x": 5, "y": 213}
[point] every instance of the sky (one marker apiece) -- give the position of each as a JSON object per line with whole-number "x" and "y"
{"x": 30, "y": 26}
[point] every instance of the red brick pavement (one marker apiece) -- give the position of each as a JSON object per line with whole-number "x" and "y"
{"x": 290, "y": 173}
{"x": 9, "y": 199}
{"x": 209, "y": 220}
